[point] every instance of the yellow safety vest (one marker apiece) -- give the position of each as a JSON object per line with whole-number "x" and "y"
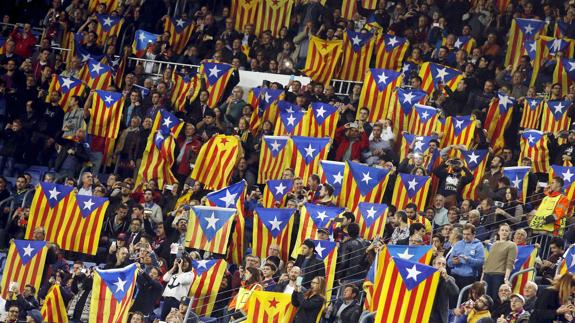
{"x": 545, "y": 209}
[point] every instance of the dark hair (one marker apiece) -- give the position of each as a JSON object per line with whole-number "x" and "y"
{"x": 353, "y": 230}
{"x": 558, "y": 241}
{"x": 402, "y": 215}
{"x": 560, "y": 180}
{"x": 354, "y": 289}
{"x": 348, "y": 215}
{"x": 256, "y": 275}
{"x": 469, "y": 226}
{"x": 328, "y": 188}
{"x": 505, "y": 181}
{"x": 411, "y": 206}
{"x": 415, "y": 227}
{"x": 315, "y": 178}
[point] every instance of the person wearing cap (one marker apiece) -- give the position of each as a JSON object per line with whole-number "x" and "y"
{"x": 309, "y": 264}
{"x": 322, "y": 234}
{"x": 518, "y": 314}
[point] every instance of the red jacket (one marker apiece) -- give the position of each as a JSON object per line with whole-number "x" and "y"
{"x": 24, "y": 46}
{"x": 342, "y": 143}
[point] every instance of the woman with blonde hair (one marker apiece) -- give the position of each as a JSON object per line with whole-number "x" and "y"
{"x": 310, "y": 303}
{"x": 556, "y": 302}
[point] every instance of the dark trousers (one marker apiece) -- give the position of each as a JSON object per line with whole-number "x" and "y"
{"x": 169, "y": 303}
{"x": 493, "y": 281}
{"x": 461, "y": 281}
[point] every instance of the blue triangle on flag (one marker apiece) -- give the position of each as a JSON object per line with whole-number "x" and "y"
{"x": 569, "y": 67}
{"x": 392, "y": 42}
{"x": 119, "y": 281}
{"x": 505, "y": 103}
{"x": 310, "y": 147}
{"x": 474, "y": 157}
{"x": 425, "y": 112}
{"x": 358, "y": 39}
{"x": 529, "y": 27}
{"x": 159, "y": 140}
{"x": 291, "y": 118}
{"x": 107, "y": 21}
{"x": 228, "y": 196}
{"x": 382, "y": 77}
{"x": 323, "y": 248}
{"x": 532, "y": 136}
{"x": 109, "y": 98}
{"x": 214, "y": 71}
{"x": 322, "y": 215}
{"x": 67, "y": 83}
{"x": 275, "y": 220}
{"x": 27, "y": 249}
{"x": 523, "y": 253}
{"x": 275, "y": 144}
{"x": 461, "y": 123}
{"x": 442, "y": 73}
{"x": 168, "y": 122}
{"x": 413, "y": 273}
{"x": 371, "y": 273}
{"x": 410, "y": 253}
{"x": 322, "y": 110}
{"x": 413, "y": 183}
{"x": 558, "y": 108}
{"x": 516, "y": 175}
{"x": 570, "y": 259}
{"x": 366, "y": 178}
{"x": 97, "y": 68}
{"x": 409, "y": 97}
{"x": 334, "y": 174}
{"x": 212, "y": 219}
{"x": 266, "y": 97}
{"x": 54, "y": 193}
{"x": 533, "y": 103}
{"x": 201, "y": 266}
{"x": 180, "y": 24}
{"x": 88, "y": 204}
{"x": 566, "y": 172}
{"x": 279, "y": 187}
{"x": 371, "y": 212}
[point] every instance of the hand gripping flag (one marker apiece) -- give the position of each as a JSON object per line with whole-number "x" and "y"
{"x": 389, "y": 51}
{"x": 327, "y": 252}
{"x": 216, "y": 76}
{"x": 333, "y": 173}
{"x": 401, "y": 105}
{"x": 68, "y": 87}
{"x": 322, "y": 59}
{"x": 180, "y": 32}
{"x": 184, "y": 88}
{"x": 377, "y": 92}
{"x": 265, "y": 307}
{"x": 362, "y": 184}
{"x": 521, "y": 30}
{"x": 531, "y": 116}
{"x": 534, "y": 146}
{"x": 433, "y": 75}
{"x": 96, "y": 75}
{"x": 357, "y": 52}
{"x": 568, "y": 263}
{"x": 555, "y": 117}
{"x": 292, "y": 121}
{"x": 565, "y": 172}
{"x": 422, "y": 121}
{"x": 244, "y": 12}
{"x": 54, "y": 309}
{"x": 24, "y": 265}
{"x": 106, "y": 114}
{"x": 108, "y": 26}
{"x": 564, "y": 74}
{"x": 206, "y": 284}
{"x": 217, "y": 159}
{"x": 273, "y": 15}
{"x": 323, "y": 120}
{"x": 275, "y": 192}
{"x": 264, "y": 104}
{"x": 476, "y": 162}
{"x": 526, "y": 256}
{"x": 498, "y": 120}
{"x": 518, "y": 176}
{"x": 275, "y": 156}
{"x": 411, "y": 189}
{"x": 312, "y": 218}
{"x": 459, "y": 131}
{"x": 307, "y": 154}
{"x": 142, "y": 41}
{"x": 371, "y": 218}
{"x": 112, "y": 294}
{"x": 209, "y": 228}
{"x": 272, "y": 227}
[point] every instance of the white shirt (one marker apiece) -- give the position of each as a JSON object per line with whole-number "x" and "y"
{"x": 178, "y": 285}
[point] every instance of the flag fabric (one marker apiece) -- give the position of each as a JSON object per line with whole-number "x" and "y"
{"x": 96, "y": 75}
{"x": 534, "y": 145}
{"x": 518, "y": 176}
{"x": 24, "y": 265}
{"x": 389, "y": 51}
{"x": 459, "y": 131}
{"x": 332, "y": 172}
{"x": 216, "y": 76}
{"x": 371, "y": 218}
{"x": 549, "y": 48}
{"x": 108, "y": 26}
{"x": 264, "y": 102}
{"x": 466, "y": 43}
{"x": 411, "y": 189}
{"x": 568, "y": 263}
{"x": 180, "y": 32}
{"x": 433, "y": 75}
{"x": 217, "y": 160}
{"x": 326, "y": 251}
{"x": 206, "y": 284}
{"x": 158, "y": 156}
{"x": 348, "y": 9}
{"x": 323, "y": 120}
{"x": 498, "y": 120}
{"x": 476, "y": 162}
{"x": 275, "y": 157}
{"x": 111, "y": 5}
{"x": 275, "y": 192}
{"x": 273, "y": 15}
{"x": 81, "y": 51}
{"x": 526, "y": 256}
{"x": 120, "y": 70}
{"x": 209, "y": 228}
{"x": 54, "y": 309}
{"x": 420, "y": 254}
{"x": 422, "y": 120}
{"x": 357, "y": 52}
{"x": 244, "y": 13}
{"x": 564, "y": 74}
{"x": 555, "y": 117}
{"x": 272, "y": 227}
{"x": 182, "y": 85}
{"x": 312, "y": 218}
{"x": 141, "y": 40}
{"x": 292, "y": 121}
{"x": 531, "y": 116}
{"x": 264, "y": 307}
{"x": 322, "y": 59}
{"x": 520, "y": 31}
{"x": 565, "y": 172}
{"x": 401, "y": 105}
{"x": 68, "y": 87}
{"x": 112, "y": 294}
{"x": 307, "y": 153}
{"x": 362, "y": 184}
{"x": 106, "y": 114}
{"x": 378, "y": 91}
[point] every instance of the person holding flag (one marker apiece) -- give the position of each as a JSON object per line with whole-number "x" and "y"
{"x": 550, "y": 216}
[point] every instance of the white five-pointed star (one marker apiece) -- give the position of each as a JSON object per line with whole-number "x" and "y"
{"x": 356, "y": 40}
{"x": 290, "y": 110}
{"x": 366, "y": 178}
{"x": 322, "y": 215}
{"x": 424, "y": 115}
{"x": 267, "y": 97}
{"x": 556, "y": 45}
{"x": 142, "y": 37}
{"x": 54, "y": 193}
{"x": 412, "y": 184}
{"x": 28, "y": 250}
{"x": 458, "y": 124}
{"x": 473, "y": 157}
{"x": 214, "y": 71}
{"x": 167, "y": 122}
{"x": 203, "y": 264}
{"x": 309, "y": 151}
{"x": 531, "y": 139}
{"x": 212, "y": 220}
{"x": 558, "y": 108}
{"x": 458, "y": 43}
{"x": 280, "y": 189}
{"x": 442, "y": 73}
{"x": 66, "y": 82}
{"x": 108, "y": 21}
{"x": 319, "y": 249}
{"x": 88, "y": 204}
{"x": 338, "y": 178}
{"x": 408, "y": 97}
{"x": 371, "y": 212}
{"x": 291, "y": 120}
{"x": 229, "y": 199}
{"x": 180, "y": 23}
{"x": 120, "y": 284}
{"x": 392, "y": 41}
{"x": 86, "y": 57}
{"x": 275, "y": 223}
{"x": 321, "y": 111}
{"x": 529, "y": 29}
{"x": 108, "y": 99}
{"x": 418, "y": 145}
{"x": 405, "y": 254}
{"x": 533, "y": 103}
{"x": 382, "y": 78}
{"x": 275, "y": 145}
{"x": 504, "y": 100}
{"x": 567, "y": 175}
{"x": 413, "y": 273}
{"x": 96, "y": 68}
{"x": 405, "y": 68}
{"x": 532, "y": 47}
{"x": 571, "y": 66}
{"x": 516, "y": 182}
{"x": 572, "y": 260}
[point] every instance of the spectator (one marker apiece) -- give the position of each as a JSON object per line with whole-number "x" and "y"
{"x": 151, "y": 209}
{"x": 554, "y": 302}
{"x": 530, "y": 295}
{"x": 500, "y": 261}
{"x": 350, "y": 140}
{"x": 74, "y": 152}
{"x": 440, "y": 217}
{"x": 547, "y": 268}
{"x": 14, "y": 139}
{"x": 179, "y": 278}
{"x": 345, "y": 309}
{"x": 466, "y": 257}
{"x": 447, "y": 288}
{"x": 288, "y": 284}
{"x": 24, "y": 302}
{"x": 451, "y": 179}
{"x": 268, "y": 281}
{"x": 150, "y": 290}
{"x": 309, "y": 264}
{"x": 349, "y": 249}
{"x": 503, "y": 306}
{"x": 311, "y": 302}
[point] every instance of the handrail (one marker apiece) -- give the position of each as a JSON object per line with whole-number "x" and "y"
{"x": 464, "y": 289}
{"x": 522, "y": 272}
{"x": 26, "y": 196}
{"x": 241, "y": 319}
{"x": 370, "y": 315}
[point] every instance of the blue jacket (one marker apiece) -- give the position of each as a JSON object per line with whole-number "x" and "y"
{"x": 474, "y": 253}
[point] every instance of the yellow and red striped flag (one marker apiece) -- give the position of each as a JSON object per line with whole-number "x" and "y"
{"x": 410, "y": 189}
{"x": 24, "y": 265}
{"x": 112, "y": 294}
{"x": 307, "y": 153}
{"x": 526, "y": 256}
{"x": 357, "y": 52}
{"x": 389, "y": 51}
{"x": 459, "y": 131}
{"x": 401, "y": 104}
{"x": 466, "y": 43}
{"x": 531, "y": 116}
{"x": 275, "y": 156}
{"x": 264, "y": 103}
{"x": 521, "y": 30}
{"x": 476, "y": 162}
{"x": 371, "y": 218}
{"x": 534, "y": 145}
{"x": 435, "y": 75}
{"x": 555, "y": 117}
{"x": 565, "y": 172}
{"x": 96, "y": 75}
{"x": 275, "y": 192}
{"x": 111, "y": 5}
{"x": 568, "y": 263}
{"x": 322, "y": 59}
{"x": 333, "y": 173}
{"x": 182, "y": 85}
{"x": 561, "y": 29}
{"x": 142, "y": 42}
{"x": 519, "y": 176}
{"x": 209, "y": 228}
{"x": 108, "y": 26}
{"x": 180, "y": 32}
{"x": 327, "y": 252}
{"x": 549, "y": 48}
{"x": 216, "y": 161}
{"x": 323, "y": 120}
{"x": 292, "y": 121}
{"x": 378, "y": 91}
{"x": 120, "y": 69}
{"x": 54, "y": 309}
{"x": 206, "y": 284}
{"x": 564, "y": 74}
{"x": 68, "y": 87}
{"x": 422, "y": 121}
{"x": 273, "y": 15}
{"x": 244, "y": 13}
{"x": 272, "y": 227}
{"x": 312, "y": 218}
{"x": 265, "y": 307}
{"x": 362, "y": 184}
{"x": 348, "y": 9}
{"x": 498, "y": 120}
{"x": 106, "y": 114}
{"x": 216, "y": 76}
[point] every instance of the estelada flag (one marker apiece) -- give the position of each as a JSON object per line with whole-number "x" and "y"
{"x": 106, "y": 114}
{"x": 433, "y": 75}
{"x": 216, "y": 161}
{"x": 564, "y": 74}
{"x": 68, "y": 87}
{"x": 111, "y": 5}
{"x": 112, "y": 294}
{"x": 498, "y": 120}
{"x": 362, "y": 184}
{"x": 549, "y": 48}
{"x": 96, "y": 75}
{"x": 531, "y": 116}
{"x": 568, "y": 263}
{"x": 142, "y": 40}
{"x": 24, "y": 265}
{"x": 180, "y": 31}
{"x": 357, "y": 52}
{"x": 421, "y": 254}
{"x": 312, "y": 218}
{"x": 521, "y": 30}
{"x": 184, "y": 89}
{"x": 265, "y": 307}
{"x": 292, "y": 121}
{"x": 526, "y": 256}
{"x": 307, "y": 154}
{"x": 273, "y": 15}
{"x": 410, "y": 189}
{"x": 378, "y": 91}
{"x": 275, "y": 192}
{"x": 272, "y": 227}
{"x": 275, "y": 156}
{"x": 333, "y": 173}
{"x": 209, "y": 228}
{"x": 518, "y": 176}
{"x": 401, "y": 105}
{"x": 54, "y": 309}
{"x": 244, "y": 13}
{"x": 371, "y": 218}
{"x": 322, "y": 59}
{"x": 323, "y": 120}
{"x": 565, "y": 172}
{"x": 389, "y": 51}
{"x": 108, "y": 26}
{"x": 422, "y": 121}
{"x": 459, "y": 131}
{"x": 264, "y": 104}
{"x": 216, "y": 76}
{"x": 534, "y": 145}
{"x": 327, "y": 251}
{"x": 206, "y": 284}
{"x": 555, "y": 117}
{"x": 476, "y": 162}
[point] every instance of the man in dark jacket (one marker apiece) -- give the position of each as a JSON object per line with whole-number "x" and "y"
{"x": 309, "y": 264}
{"x": 25, "y": 301}
{"x": 350, "y": 251}
{"x": 346, "y": 309}
{"x": 73, "y": 153}
{"x": 447, "y": 289}
{"x": 150, "y": 290}
{"x": 14, "y": 139}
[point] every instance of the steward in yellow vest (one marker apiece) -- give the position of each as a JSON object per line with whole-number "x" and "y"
{"x": 551, "y": 216}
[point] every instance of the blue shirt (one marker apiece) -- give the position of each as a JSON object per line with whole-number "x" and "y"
{"x": 475, "y": 256}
